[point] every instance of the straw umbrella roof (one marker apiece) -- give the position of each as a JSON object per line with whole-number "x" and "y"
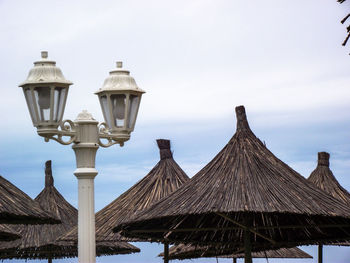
{"x": 40, "y": 241}
{"x": 183, "y": 251}
{"x": 67, "y": 249}
{"x": 18, "y": 208}
{"x": 245, "y": 195}
{"x": 8, "y": 234}
{"x": 293, "y": 252}
{"x": 323, "y": 178}
{"x": 165, "y": 177}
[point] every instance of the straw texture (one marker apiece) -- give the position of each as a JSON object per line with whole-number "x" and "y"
{"x": 165, "y": 177}
{"x": 323, "y": 178}
{"x": 39, "y": 242}
{"x": 244, "y": 188}
{"x": 18, "y": 208}
{"x": 8, "y": 234}
{"x": 67, "y": 250}
{"x": 189, "y": 252}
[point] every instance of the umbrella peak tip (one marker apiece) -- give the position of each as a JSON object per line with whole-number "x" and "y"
{"x": 48, "y": 174}
{"x": 164, "y": 149}
{"x": 323, "y": 159}
{"x": 242, "y": 122}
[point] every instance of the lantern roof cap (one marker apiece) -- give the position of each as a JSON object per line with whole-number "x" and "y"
{"x": 85, "y": 117}
{"x": 119, "y": 79}
{"x": 45, "y": 71}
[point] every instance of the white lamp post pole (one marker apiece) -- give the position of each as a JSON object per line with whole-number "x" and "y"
{"x": 85, "y": 153}
{"x": 45, "y": 91}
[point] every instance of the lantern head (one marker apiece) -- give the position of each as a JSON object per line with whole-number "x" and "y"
{"x": 120, "y": 99}
{"x": 45, "y": 91}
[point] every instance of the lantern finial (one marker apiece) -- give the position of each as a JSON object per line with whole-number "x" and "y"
{"x": 44, "y": 54}
{"x": 119, "y": 64}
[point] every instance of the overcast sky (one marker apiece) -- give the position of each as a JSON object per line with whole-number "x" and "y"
{"x": 197, "y": 60}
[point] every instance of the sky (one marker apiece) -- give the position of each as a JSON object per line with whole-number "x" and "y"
{"x": 197, "y": 60}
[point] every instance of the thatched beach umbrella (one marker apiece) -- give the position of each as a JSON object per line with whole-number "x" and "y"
{"x": 165, "y": 177}
{"x": 183, "y": 251}
{"x": 63, "y": 249}
{"x": 16, "y": 207}
{"x": 323, "y": 178}
{"x": 245, "y": 198}
{"x": 39, "y": 242}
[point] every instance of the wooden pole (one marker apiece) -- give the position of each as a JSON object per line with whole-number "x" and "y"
{"x": 247, "y": 247}
{"x": 320, "y": 254}
{"x": 166, "y": 252}
{"x": 49, "y": 260}
{"x": 234, "y": 260}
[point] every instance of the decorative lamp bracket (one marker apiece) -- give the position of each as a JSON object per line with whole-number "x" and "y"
{"x": 66, "y": 128}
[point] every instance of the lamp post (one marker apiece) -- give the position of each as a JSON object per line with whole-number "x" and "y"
{"x": 45, "y": 91}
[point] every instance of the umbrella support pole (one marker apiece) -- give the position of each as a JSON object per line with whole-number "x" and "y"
{"x": 320, "y": 253}
{"x": 166, "y": 252}
{"x": 49, "y": 260}
{"x": 247, "y": 247}
{"x": 234, "y": 260}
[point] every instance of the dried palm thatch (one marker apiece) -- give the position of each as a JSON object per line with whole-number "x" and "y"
{"x": 8, "y": 234}
{"x": 189, "y": 252}
{"x": 66, "y": 249}
{"x": 164, "y": 178}
{"x": 18, "y": 208}
{"x": 293, "y": 252}
{"x": 323, "y": 178}
{"x": 245, "y": 195}
{"x": 39, "y": 242}
{"x": 115, "y": 247}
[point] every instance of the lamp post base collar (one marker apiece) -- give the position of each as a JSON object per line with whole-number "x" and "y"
{"x": 85, "y": 173}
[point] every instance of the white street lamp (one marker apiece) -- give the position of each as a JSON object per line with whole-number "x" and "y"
{"x": 45, "y": 91}
{"x": 120, "y": 99}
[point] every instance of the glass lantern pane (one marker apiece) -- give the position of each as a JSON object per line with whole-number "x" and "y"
{"x": 30, "y": 103}
{"x": 42, "y": 99}
{"x": 105, "y": 110}
{"x": 59, "y": 100}
{"x": 134, "y": 104}
{"x": 118, "y": 109}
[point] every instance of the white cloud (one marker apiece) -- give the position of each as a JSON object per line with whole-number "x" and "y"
{"x": 195, "y": 59}
{"x": 129, "y": 173}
